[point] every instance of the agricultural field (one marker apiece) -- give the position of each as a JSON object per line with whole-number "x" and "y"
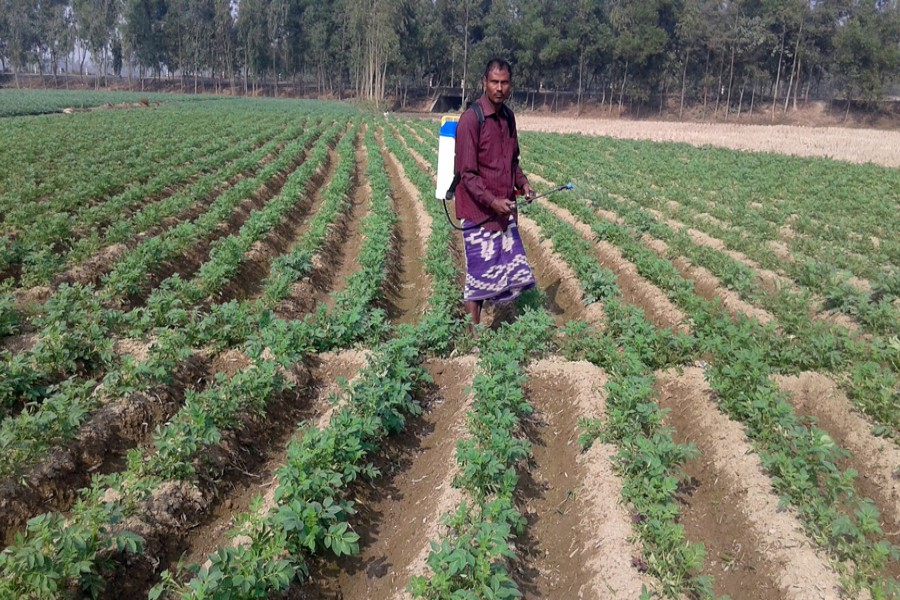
{"x": 15, "y": 102}
{"x": 234, "y": 365}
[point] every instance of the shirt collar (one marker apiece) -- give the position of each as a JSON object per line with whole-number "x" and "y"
{"x": 486, "y": 106}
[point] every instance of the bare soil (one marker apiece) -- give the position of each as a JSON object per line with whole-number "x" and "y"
{"x": 408, "y": 293}
{"x": 754, "y": 549}
{"x": 852, "y": 145}
{"x": 876, "y": 459}
{"x": 401, "y": 511}
{"x": 337, "y": 259}
{"x": 577, "y": 541}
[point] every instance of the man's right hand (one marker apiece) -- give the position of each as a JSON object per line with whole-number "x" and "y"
{"x": 503, "y": 206}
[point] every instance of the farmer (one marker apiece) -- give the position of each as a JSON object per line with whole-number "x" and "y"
{"x": 487, "y": 160}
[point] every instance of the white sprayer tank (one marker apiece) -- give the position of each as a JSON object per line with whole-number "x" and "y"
{"x": 446, "y": 155}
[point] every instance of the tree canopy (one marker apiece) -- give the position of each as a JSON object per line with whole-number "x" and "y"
{"x": 720, "y": 55}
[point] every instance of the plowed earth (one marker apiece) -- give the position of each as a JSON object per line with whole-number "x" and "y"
{"x": 579, "y": 537}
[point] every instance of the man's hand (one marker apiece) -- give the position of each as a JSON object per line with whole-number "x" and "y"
{"x": 504, "y": 206}
{"x": 528, "y": 191}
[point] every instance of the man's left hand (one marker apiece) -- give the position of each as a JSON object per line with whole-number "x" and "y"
{"x": 528, "y": 191}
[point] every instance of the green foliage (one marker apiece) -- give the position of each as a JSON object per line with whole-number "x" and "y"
{"x": 53, "y": 555}
{"x": 802, "y": 459}
{"x": 469, "y": 561}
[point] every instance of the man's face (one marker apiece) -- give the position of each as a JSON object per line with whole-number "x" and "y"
{"x": 497, "y": 85}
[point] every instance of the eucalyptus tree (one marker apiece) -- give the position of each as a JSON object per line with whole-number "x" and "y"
{"x": 642, "y": 33}
{"x": 55, "y": 35}
{"x": 255, "y": 49}
{"x": 463, "y": 19}
{"x": 145, "y": 34}
{"x": 223, "y": 41}
{"x": 592, "y": 37}
{"x": 22, "y": 35}
{"x": 432, "y": 53}
{"x": 375, "y": 44}
{"x": 867, "y": 51}
{"x": 96, "y": 23}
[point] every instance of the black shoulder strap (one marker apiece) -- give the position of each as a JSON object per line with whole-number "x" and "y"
{"x": 504, "y": 110}
{"x": 479, "y": 114}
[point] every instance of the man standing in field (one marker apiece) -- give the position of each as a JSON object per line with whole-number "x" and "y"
{"x": 487, "y": 161}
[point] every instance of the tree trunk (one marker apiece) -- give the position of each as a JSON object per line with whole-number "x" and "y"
{"x": 741, "y": 99}
{"x": 706, "y": 82}
{"x": 81, "y": 66}
{"x": 687, "y": 56}
{"x": 730, "y": 82}
{"x": 790, "y": 86}
{"x": 664, "y": 97}
{"x": 797, "y": 83}
{"x": 622, "y": 93}
{"x": 719, "y": 87}
{"x": 778, "y": 74}
{"x": 752, "y": 97}
{"x": 580, "y": 78}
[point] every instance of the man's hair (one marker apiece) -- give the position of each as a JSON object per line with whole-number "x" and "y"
{"x": 499, "y": 64}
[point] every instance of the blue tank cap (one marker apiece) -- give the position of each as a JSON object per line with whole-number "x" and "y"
{"x": 448, "y": 126}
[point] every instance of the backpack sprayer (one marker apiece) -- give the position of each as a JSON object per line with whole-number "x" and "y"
{"x": 448, "y": 178}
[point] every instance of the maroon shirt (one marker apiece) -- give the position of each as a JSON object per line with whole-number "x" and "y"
{"x": 488, "y": 165}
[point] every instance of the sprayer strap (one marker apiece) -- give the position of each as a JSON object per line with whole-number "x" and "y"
{"x": 479, "y": 114}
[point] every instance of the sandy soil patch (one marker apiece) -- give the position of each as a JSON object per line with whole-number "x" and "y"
{"x": 577, "y": 544}
{"x": 851, "y": 145}
{"x": 755, "y": 549}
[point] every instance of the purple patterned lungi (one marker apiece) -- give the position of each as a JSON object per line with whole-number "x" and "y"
{"x": 496, "y": 267}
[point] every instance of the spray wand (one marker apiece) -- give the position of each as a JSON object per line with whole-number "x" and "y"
{"x": 561, "y": 188}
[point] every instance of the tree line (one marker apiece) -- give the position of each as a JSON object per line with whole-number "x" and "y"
{"x": 727, "y": 56}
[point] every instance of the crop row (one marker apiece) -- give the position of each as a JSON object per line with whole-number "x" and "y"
{"x": 77, "y": 342}
{"x": 761, "y": 192}
{"x": 802, "y": 459}
{"x": 74, "y": 322}
{"x": 242, "y": 159}
{"x": 15, "y": 102}
{"x": 311, "y": 511}
{"x": 439, "y": 262}
{"x": 810, "y": 344}
{"x": 66, "y": 238}
{"x": 172, "y": 458}
{"x": 814, "y": 266}
{"x": 59, "y": 417}
{"x": 629, "y": 350}
{"x": 70, "y": 161}
{"x": 227, "y": 254}
{"x": 467, "y": 561}
{"x": 68, "y": 207}
{"x": 129, "y": 278}
{"x": 470, "y": 560}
